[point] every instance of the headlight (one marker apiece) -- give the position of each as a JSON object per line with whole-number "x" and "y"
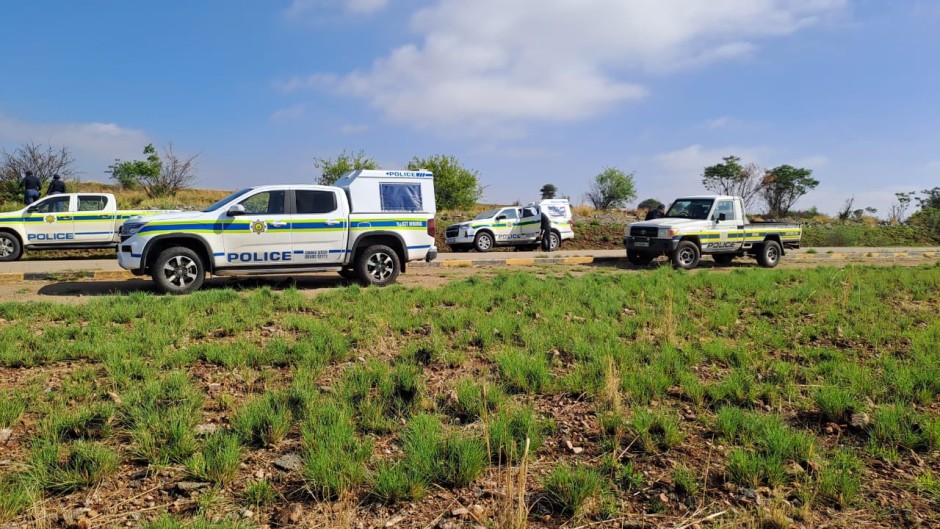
{"x": 666, "y": 233}
{"x": 130, "y": 228}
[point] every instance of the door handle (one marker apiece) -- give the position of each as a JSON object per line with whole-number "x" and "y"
{"x": 277, "y": 224}
{"x": 332, "y": 222}
{"x": 65, "y": 217}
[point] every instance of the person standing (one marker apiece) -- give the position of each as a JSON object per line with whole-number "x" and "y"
{"x": 30, "y": 188}
{"x": 546, "y": 231}
{"x": 56, "y": 186}
{"x": 656, "y": 213}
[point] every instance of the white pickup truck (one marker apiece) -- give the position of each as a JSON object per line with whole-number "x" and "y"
{"x": 367, "y": 226}
{"x": 518, "y": 226}
{"x": 716, "y": 225}
{"x": 63, "y": 222}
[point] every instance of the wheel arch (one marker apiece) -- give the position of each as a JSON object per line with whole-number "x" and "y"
{"x": 193, "y": 242}
{"x": 388, "y": 238}
{"x": 16, "y": 234}
{"x": 775, "y": 238}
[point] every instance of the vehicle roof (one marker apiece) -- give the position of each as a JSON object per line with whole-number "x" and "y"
{"x": 290, "y": 186}
{"x": 716, "y": 197}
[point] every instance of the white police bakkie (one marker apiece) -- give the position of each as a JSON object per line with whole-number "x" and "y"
{"x": 367, "y": 226}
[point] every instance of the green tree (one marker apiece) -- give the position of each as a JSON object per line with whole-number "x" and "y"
{"x": 548, "y": 191}
{"x": 332, "y": 170}
{"x": 649, "y": 203}
{"x": 43, "y": 160}
{"x": 783, "y": 186}
{"x": 732, "y": 178}
{"x": 611, "y": 188}
{"x": 929, "y": 213}
{"x": 158, "y": 176}
{"x": 455, "y": 187}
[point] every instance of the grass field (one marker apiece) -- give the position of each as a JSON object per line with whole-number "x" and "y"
{"x": 742, "y": 398}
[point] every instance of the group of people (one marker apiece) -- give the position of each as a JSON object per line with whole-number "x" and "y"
{"x": 31, "y": 185}
{"x": 656, "y": 213}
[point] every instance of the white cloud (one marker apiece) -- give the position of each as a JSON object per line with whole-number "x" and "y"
{"x": 289, "y": 113}
{"x": 488, "y": 64}
{"x": 101, "y": 141}
{"x": 300, "y": 8}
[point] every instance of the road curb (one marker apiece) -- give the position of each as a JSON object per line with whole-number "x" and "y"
{"x": 858, "y": 256}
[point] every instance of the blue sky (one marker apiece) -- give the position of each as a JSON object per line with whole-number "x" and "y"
{"x": 527, "y": 92}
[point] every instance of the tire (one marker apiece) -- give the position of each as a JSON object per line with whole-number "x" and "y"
{"x": 638, "y": 258}
{"x": 769, "y": 254}
{"x": 378, "y": 265}
{"x": 483, "y": 242}
{"x": 178, "y": 270}
{"x": 723, "y": 259}
{"x": 10, "y": 247}
{"x": 686, "y": 255}
{"x": 554, "y": 241}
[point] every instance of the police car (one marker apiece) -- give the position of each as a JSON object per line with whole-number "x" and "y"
{"x": 518, "y": 226}
{"x": 64, "y": 221}
{"x": 367, "y": 226}
{"x": 715, "y": 225}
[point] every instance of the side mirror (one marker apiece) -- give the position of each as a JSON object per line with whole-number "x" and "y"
{"x": 501, "y": 217}
{"x": 236, "y": 210}
{"x": 722, "y": 216}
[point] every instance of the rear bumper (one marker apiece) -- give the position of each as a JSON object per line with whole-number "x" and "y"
{"x": 432, "y": 254}
{"x": 649, "y": 245}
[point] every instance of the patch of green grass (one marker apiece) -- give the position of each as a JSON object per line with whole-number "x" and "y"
{"x": 64, "y": 469}
{"x": 11, "y": 409}
{"x": 897, "y": 427}
{"x": 473, "y": 400}
{"x": 260, "y": 494}
{"x": 509, "y": 429}
{"x": 523, "y": 372}
{"x": 753, "y": 469}
{"x": 927, "y": 484}
{"x": 684, "y": 482}
{"x": 572, "y": 488}
{"x": 17, "y": 495}
{"x": 170, "y": 522}
{"x": 839, "y": 481}
{"x": 219, "y": 459}
{"x": 395, "y": 482}
{"x": 462, "y": 457}
{"x": 84, "y": 422}
{"x": 334, "y": 456}
{"x": 162, "y": 414}
{"x": 654, "y": 431}
{"x": 381, "y": 394}
{"x": 836, "y": 404}
{"x": 263, "y": 421}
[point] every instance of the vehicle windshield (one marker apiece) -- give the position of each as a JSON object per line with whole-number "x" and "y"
{"x": 226, "y": 200}
{"x": 487, "y": 214}
{"x": 690, "y": 208}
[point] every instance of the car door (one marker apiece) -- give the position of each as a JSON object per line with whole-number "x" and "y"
{"x": 261, "y": 236}
{"x": 728, "y": 224}
{"x": 530, "y": 225}
{"x": 93, "y": 220}
{"x": 319, "y": 226}
{"x": 49, "y": 221}
{"x": 506, "y": 221}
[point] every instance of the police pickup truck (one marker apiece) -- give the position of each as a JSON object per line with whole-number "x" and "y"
{"x": 518, "y": 226}
{"x": 366, "y": 227}
{"x": 63, "y": 222}
{"x": 716, "y": 225}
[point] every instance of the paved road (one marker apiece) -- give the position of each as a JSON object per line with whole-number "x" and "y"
{"x": 45, "y": 266}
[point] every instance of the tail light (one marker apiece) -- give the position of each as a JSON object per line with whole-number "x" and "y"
{"x": 431, "y": 230}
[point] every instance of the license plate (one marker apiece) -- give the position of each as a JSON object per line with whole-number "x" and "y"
{"x": 641, "y": 244}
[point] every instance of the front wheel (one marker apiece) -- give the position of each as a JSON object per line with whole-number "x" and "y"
{"x": 10, "y": 247}
{"x": 178, "y": 270}
{"x": 483, "y": 242}
{"x": 686, "y": 255}
{"x": 769, "y": 254}
{"x": 639, "y": 259}
{"x": 378, "y": 265}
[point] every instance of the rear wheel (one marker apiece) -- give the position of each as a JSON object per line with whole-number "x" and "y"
{"x": 768, "y": 255}
{"x": 639, "y": 259}
{"x": 686, "y": 255}
{"x": 378, "y": 265}
{"x": 178, "y": 270}
{"x": 483, "y": 242}
{"x": 554, "y": 241}
{"x": 723, "y": 258}
{"x": 10, "y": 247}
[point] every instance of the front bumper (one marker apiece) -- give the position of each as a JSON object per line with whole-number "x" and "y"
{"x": 130, "y": 254}
{"x": 649, "y": 245}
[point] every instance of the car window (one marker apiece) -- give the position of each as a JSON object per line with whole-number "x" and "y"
{"x": 486, "y": 215}
{"x": 311, "y": 201}
{"x": 92, "y": 202}
{"x": 510, "y": 213}
{"x": 726, "y": 207}
{"x": 529, "y": 212}
{"x": 690, "y": 208}
{"x": 266, "y": 203}
{"x": 53, "y": 205}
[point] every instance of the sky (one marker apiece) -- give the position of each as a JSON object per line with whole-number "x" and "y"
{"x": 527, "y": 92}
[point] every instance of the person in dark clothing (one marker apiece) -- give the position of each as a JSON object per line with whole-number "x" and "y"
{"x": 546, "y": 232}
{"x": 656, "y": 213}
{"x": 31, "y": 188}
{"x": 56, "y": 186}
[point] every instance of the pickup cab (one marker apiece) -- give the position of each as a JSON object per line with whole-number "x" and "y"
{"x": 367, "y": 226}
{"x": 64, "y": 222}
{"x": 715, "y": 225}
{"x": 518, "y": 226}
